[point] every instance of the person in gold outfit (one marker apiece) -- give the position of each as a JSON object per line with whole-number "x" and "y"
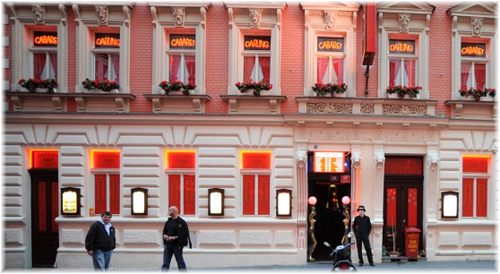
{"x": 312, "y": 221}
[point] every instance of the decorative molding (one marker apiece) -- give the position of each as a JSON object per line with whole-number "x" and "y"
{"x": 160, "y": 101}
{"x": 301, "y": 158}
{"x": 203, "y": 14}
{"x": 255, "y": 18}
{"x": 476, "y": 24}
{"x": 336, "y": 108}
{"x": 272, "y": 101}
{"x": 404, "y": 23}
{"x": 329, "y": 20}
{"x": 356, "y": 159}
{"x": 367, "y": 109}
{"x": 102, "y": 15}
{"x": 432, "y": 159}
{"x": 39, "y": 12}
{"x": 180, "y": 14}
{"x": 379, "y": 159}
{"x": 62, "y": 9}
{"x": 404, "y": 110}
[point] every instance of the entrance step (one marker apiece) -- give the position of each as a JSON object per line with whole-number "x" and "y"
{"x": 402, "y": 259}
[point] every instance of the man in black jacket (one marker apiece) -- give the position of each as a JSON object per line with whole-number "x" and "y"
{"x": 362, "y": 228}
{"x": 175, "y": 238}
{"x": 101, "y": 241}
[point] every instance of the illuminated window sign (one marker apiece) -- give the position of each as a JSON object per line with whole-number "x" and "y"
{"x": 105, "y": 158}
{"x": 44, "y": 158}
{"x": 70, "y": 201}
{"x": 329, "y": 162}
{"x": 103, "y": 40}
{"x": 180, "y": 159}
{"x": 257, "y": 42}
{"x": 255, "y": 159}
{"x": 182, "y": 42}
{"x": 45, "y": 39}
{"x": 475, "y": 163}
{"x": 473, "y": 50}
{"x": 399, "y": 46}
{"x": 331, "y": 44}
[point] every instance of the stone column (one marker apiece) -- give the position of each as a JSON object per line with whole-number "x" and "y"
{"x": 301, "y": 198}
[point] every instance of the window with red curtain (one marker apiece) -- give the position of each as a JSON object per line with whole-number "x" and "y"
{"x": 338, "y": 68}
{"x": 410, "y": 73}
{"x": 464, "y": 75}
{"x": 480, "y": 74}
{"x": 259, "y": 185}
{"x": 265, "y": 66}
{"x": 322, "y": 69}
{"x": 394, "y": 78}
{"x": 475, "y": 185}
{"x": 249, "y": 63}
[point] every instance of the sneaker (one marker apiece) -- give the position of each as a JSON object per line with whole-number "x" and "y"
{"x": 372, "y": 264}
{"x": 360, "y": 264}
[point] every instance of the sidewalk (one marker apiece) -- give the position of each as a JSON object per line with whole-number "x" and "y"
{"x": 317, "y": 267}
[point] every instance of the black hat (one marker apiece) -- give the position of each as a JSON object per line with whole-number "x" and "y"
{"x": 361, "y": 208}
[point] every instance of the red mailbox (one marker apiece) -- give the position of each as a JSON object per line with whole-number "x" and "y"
{"x": 412, "y": 239}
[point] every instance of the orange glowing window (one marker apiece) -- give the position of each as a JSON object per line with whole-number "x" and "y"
{"x": 43, "y": 158}
{"x": 180, "y": 159}
{"x": 104, "y": 158}
{"x": 45, "y": 39}
{"x": 255, "y": 159}
{"x": 475, "y": 163}
{"x": 107, "y": 40}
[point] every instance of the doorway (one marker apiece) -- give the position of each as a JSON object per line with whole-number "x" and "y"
{"x": 44, "y": 210}
{"x": 403, "y": 196}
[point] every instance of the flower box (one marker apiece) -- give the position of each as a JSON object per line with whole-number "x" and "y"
{"x": 335, "y": 90}
{"x": 404, "y": 91}
{"x": 33, "y": 85}
{"x": 104, "y": 85}
{"x": 254, "y": 88}
{"x": 178, "y": 86}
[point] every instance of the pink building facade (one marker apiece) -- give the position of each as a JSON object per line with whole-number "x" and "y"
{"x": 424, "y": 160}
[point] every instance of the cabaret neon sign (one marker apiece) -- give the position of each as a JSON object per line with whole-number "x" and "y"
{"x": 401, "y": 46}
{"x": 45, "y": 39}
{"x": 259, "y": 43}
{"x": 181, "y": 41}
{"x": 330, "y": 44}
{"x": 477, "y": 50}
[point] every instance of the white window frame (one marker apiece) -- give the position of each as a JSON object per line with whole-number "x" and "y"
{"x": 42, "y": 50}
{"x": 471, "y": 82}
{"x": 176, "y": 52}
{"x": 330, "y": 56}
{"x": 104, "y": 51}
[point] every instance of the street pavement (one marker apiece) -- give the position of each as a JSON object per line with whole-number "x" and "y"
{"x": 465, "y": 266}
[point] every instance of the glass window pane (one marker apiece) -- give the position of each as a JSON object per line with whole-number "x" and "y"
{"x": 101, "y": 66}
{"x": 115, "y": 68}
{"x": 174, "y": 64}
{"x": 322, "y": 67}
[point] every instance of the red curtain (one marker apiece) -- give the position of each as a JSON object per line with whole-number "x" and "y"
{"x": 467, "y": 197}
{"x": 101, "y": 67}
{"x": 174, "y": 67}
{"x": 249, "y": 62}
{"x": 265, "y": 65}
{"x": 322, "y": 67}
{"x": 264, "y": 205}
{"x": 191, "y": 68}
{"x": 248, "y": 194}
{"x": 100, "y": 193}
{"x": 189, "y": 194}
{"x": 393, "y": 71}
{"x": 480, "y": 73}
{"x": 40, "y": 60}
{"x": 116, "y": 66}
{"x": 465, "y": 75}
{"x": 410, "y": 72}
{"x": 53, "y": 61}
{"x": 338, "y": 66}
{"x": 174, "y": 191}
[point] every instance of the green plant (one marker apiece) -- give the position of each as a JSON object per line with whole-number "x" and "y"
{"x": 107, "y": 86}
{"x": 257, "y": 87}
{"x": 320, "y": 90}
{"x": 490, "y": 91}
{"x": 412, "y": 92}
{"x": 173, "y": 86}
{"x": 50, "y": 84}
{"x": 89, "y": 84}
{"x": 32, "y": 84}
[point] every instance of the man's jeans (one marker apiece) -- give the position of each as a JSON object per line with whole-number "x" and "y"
{"x": 101, "y": 259}
{"x": 173, "y": 249}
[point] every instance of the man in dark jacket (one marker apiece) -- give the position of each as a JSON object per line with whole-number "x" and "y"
{"x": 362, "y": 228}
{"x": 101, "y": 241}
{"x": 175, "y": 238}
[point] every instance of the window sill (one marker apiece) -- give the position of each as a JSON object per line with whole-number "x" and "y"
{"x": 250, "y": 104}
{"x": 178, "y": 103}
{"x": 366, "y": 106}
{"x": 463, "y": 109}
{"x": 35, "y": 101}
{"x": 102, "y": 102}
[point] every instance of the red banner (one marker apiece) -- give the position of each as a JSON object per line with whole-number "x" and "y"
{"x": 174, "y": 191}
{"x": 189, "y": 194}
{"x": 482, "y": 198}
{"x": 114, "y": 194}
{"x": 475, "y": 164}
{"x": 100, "y": 193}
{"x": 255, "y": 160}
{"x": 248, "y": 194}
{"x": 468, "y": 197}
{"x": 180, "y": 159}
{"x": 391, "y": 207}
{"x": 403, "y": 165}
{"x": 45, "y": 159}
{"x": 105, "y": 159}
{"x": 264, "y": 206}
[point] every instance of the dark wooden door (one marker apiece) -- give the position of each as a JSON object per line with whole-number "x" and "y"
{"x": 44, "y": 210}
{"x": 403, "y": 196}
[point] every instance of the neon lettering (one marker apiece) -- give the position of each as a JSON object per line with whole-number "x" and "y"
{"x": 330, "y": 45}
{"x": 182, "y": 42}
{"x": 257, "y": 43}
{"x": 401, "y": 47}
{"x": 107, "y": 41}
{"x": 46, "y": 40}
{"x": 472, "y": 50}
